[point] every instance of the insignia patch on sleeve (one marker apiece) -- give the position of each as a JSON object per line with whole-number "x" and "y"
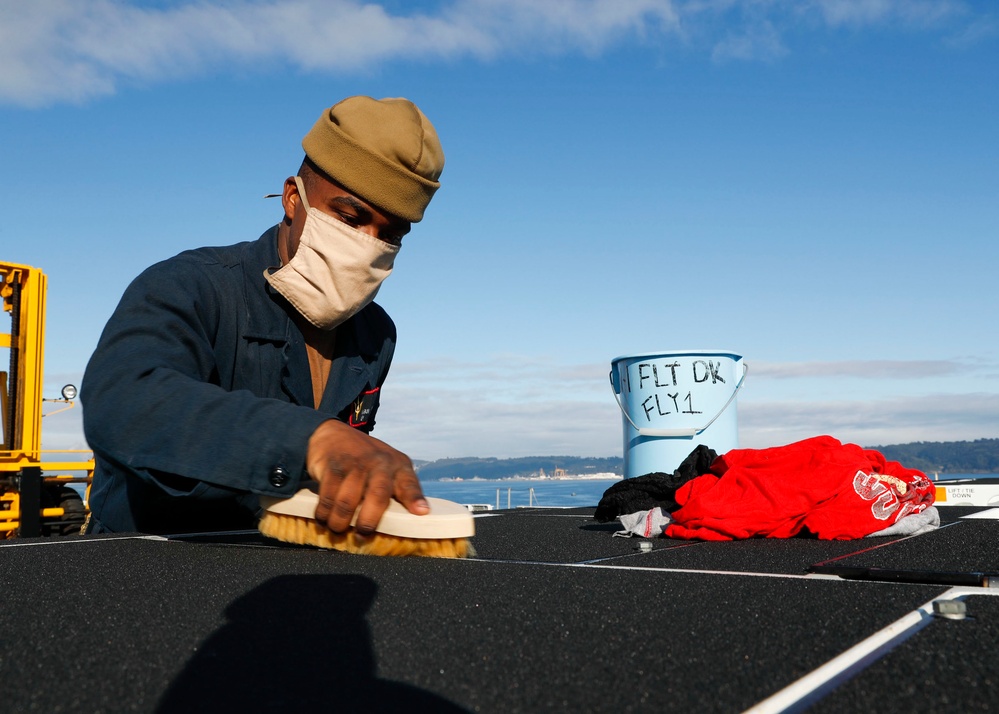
{"x": 364, "y": 408}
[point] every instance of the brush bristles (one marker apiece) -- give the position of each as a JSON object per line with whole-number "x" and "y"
{"x": 307, "y": 531}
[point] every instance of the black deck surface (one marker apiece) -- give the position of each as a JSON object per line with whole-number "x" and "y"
{"x": 554, "y": 614}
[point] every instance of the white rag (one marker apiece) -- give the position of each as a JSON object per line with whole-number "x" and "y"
{"x": 644, "y": 524}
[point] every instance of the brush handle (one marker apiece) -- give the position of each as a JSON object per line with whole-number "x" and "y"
{"x": 446, "y": 519}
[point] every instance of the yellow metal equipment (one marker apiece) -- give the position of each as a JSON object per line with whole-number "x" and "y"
{"x": 33, "y": 504}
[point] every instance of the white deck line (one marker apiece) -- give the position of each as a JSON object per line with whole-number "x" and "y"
{"x": 683, "y": 571}
{"x": 507, "y": 512}
{"x": 824, "y": 679}
{"x": 988, "y": 589}
{"x": 990, "y": 514}
{"x": 90, "y": 541}
{"x": 592, "y": 564}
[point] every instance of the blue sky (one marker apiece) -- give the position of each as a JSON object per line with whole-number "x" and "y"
{"x": 813, "y": 185}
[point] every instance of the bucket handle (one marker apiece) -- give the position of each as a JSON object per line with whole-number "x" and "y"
{"x": 644, "y": 431}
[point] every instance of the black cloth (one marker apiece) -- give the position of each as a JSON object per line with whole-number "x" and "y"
{"x": 642, "y": 493}
{"x": 199, "y": 394}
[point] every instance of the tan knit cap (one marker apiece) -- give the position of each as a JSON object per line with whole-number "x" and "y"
{"x": 384, "y": 150}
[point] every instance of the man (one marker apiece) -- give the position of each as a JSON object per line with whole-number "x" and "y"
{"x": 230, "y": 372}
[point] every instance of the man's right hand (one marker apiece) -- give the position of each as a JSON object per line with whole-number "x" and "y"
{"x": 354, "y": 469}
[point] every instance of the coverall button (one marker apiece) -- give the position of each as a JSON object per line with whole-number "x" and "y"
{"x": 279, "y": 477}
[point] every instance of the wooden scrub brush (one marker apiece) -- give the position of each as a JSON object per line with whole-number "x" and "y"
{"x": 442, "y": 533}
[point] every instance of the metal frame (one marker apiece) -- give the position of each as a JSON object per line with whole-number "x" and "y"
{"x": 22, "y": 481}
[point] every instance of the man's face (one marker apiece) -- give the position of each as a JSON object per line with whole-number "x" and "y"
{"x": 336, "y": 201}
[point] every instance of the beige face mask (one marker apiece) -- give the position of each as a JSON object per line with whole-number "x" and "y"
{"x": 336, "y": 270}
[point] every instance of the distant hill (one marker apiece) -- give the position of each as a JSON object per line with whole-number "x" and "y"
{"x": 957, "y": 457}
{"x": 492, "y": 468}
{"x": 960, "y": 457}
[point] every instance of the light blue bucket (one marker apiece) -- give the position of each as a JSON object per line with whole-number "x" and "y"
{"x": 674, "y": 401}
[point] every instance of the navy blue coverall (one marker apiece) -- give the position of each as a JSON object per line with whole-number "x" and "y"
{"x": 199, "y": 396}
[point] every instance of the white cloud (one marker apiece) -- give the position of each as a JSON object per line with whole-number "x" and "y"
{"x": 514, "y": 378}
{"x": 508, "y": 406}
{"x": 862, "y": 369}
{"x": 473, "y": 422}
{"x": 977, "y": 31}
{"x": 911, "y": 13}
{"x": 62, "y": 50}
{"x": 64, "y": 431}
{"x": 62, "y": 425}
{"x": 518, "y": 406}
{"x": 478, "y": 421}
{"x": 755, "y": 30}
{"x": 760, "y": 41}
{"x": 67, "y": 51}
{"x": 936, "y": 417}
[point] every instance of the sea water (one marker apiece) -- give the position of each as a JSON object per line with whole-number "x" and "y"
{"x": 514, "y": 493}
{"x": 549, "y": 493}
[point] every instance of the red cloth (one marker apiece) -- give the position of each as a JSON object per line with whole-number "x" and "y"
{"x": 818, "y": 486}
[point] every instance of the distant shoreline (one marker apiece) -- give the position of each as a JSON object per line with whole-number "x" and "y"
{"x": 586, "y": 477}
